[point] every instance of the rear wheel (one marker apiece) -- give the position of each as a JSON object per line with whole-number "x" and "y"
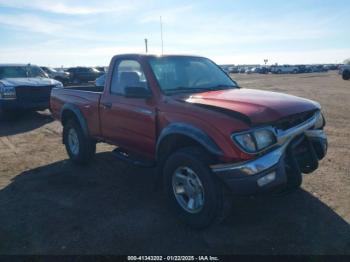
{"x": 80, "y": 148}
{"x": 196, "y": 196}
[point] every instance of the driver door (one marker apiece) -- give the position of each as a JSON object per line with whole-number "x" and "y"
{"x": 128, "y": 122}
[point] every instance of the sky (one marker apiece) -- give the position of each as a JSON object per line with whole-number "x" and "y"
{"x": 90, "y": 32}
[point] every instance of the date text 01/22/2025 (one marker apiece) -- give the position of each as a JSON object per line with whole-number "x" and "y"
{"x": 173, "y": 258}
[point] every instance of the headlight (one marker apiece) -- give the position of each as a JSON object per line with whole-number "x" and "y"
{"x": 255, "y": 141}
{"x": 264, "y": 138}
{"x": 246, "y": 141}
{"x": 320, "y": 122}
{"x": 7, "y": 92}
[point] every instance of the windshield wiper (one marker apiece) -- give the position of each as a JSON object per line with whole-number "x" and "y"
{"x": 184, "y": 88}
{"x": 222, "y": 86}
{"x": 200, "y": 89}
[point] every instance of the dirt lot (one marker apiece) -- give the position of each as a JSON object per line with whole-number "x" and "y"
{"x": 50, "y": 206}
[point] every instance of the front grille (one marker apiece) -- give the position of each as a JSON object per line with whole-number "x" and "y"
{"x": 294, "y": 120}
{"x": 33, "y": 94}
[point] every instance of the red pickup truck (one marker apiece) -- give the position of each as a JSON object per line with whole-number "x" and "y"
{"x": 205, "y": 135}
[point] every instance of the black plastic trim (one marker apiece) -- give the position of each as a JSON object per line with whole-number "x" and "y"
{"x": 191, "y": 132}
{"x": 76, "y": 111}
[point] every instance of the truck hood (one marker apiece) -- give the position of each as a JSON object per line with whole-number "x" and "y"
{"x": 30, "y": 81}
{"x": 256, "y": 105}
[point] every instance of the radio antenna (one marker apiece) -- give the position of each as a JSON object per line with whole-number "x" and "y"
{"x": 161, "y": 32}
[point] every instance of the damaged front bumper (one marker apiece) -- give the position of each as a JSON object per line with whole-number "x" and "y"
{"x": 298, "y": 151}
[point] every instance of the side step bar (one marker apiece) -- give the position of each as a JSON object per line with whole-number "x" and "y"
{"x": 132, "y": 159}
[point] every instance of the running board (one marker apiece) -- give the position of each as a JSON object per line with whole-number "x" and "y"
{"x": 131, "y": 159}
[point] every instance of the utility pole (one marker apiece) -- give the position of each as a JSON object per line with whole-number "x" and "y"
{"x": 161, "y": 32}
{"x": 146, "y": 45}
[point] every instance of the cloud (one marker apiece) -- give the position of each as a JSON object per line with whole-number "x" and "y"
{"x": 70, "y": 8}
{"x": 169, "y": 15}
{"x": 30, "y": 23}
{"x": 53, "y": 54}
{"x": 92, "y": 29}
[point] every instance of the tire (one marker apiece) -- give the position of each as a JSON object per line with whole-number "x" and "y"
{"x": 84, "y": 149}
{"x": 212, "y": 206}
{"x": 279, "y": 72}
{"x": 346, "y": 75}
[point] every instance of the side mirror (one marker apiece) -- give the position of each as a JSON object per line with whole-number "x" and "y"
{"x": 137, "y": 92}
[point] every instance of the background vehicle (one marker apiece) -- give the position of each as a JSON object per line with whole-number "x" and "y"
{"x": 263, "y": 70}
{"x": 100, "y": 81}
{"x": 205, "y": 135}
{"x": 233, "y": 69}
{"x": 24, "y": 87}
{"x": 61, "y": 76}
{"x": 303, "y": 69}
{"x": 285, "y": 69}
{"x": 102, "y": 69}
{"x": 252, "y": 70}
{"x": 318, "y": 69}
{"x": 344, "y": 71}
{"x": 83, "y": 74}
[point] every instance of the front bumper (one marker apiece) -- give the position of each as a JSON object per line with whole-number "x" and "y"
{"x": 298, "y": 151}
{"x": 14, "y": 104}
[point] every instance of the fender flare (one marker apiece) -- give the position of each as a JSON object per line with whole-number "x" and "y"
{"x": 192, "y": 132}
{"x": 79, "y": 116}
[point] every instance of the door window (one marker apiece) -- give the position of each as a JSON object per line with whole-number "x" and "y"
{"x": 127, "y": 73}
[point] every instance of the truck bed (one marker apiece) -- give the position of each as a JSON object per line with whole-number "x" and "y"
{"x": 86, "y": 98}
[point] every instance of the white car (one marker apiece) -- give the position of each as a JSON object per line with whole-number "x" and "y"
{"x": 61, "y": 76}
{"x": 24, "y": 87}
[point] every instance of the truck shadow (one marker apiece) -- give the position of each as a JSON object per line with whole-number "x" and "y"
{"x": 24, "y": 122}
{"x": 110, "y": 207}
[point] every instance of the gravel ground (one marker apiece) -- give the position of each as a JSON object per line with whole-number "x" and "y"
{"x": 50, "y": 206}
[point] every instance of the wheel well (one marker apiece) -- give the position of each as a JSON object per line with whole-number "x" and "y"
{"x": 67, "y": 115}
{"x": 170, "y": 144}
{"x": 174, "y": 142}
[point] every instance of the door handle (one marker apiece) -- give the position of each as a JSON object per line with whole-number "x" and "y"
{"x": 107, "y": 105}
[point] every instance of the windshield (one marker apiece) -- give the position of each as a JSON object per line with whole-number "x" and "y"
{"x": 189, "y": 74}
{"x": 20, "y": 72}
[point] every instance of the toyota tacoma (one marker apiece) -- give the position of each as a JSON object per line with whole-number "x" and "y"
{"x": 207, "y": 137}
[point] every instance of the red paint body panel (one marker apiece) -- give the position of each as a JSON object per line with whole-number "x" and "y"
{"x": 136, "y": 124}
{"x": 260, "y": 106}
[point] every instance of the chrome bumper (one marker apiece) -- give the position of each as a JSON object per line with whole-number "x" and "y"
{"x": 272, "y": 161}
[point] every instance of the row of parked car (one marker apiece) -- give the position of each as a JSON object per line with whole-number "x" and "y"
{"x": 28, "y": 87}
{"x": 278, "y": 69}
{"x": 74, "y": 75}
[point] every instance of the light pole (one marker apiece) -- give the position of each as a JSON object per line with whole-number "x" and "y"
{"x": 146, "y": 45}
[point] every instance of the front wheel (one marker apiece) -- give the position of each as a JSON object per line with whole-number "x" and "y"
{"x": 80, "y": 148}
{"x": 195, "y": 194}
